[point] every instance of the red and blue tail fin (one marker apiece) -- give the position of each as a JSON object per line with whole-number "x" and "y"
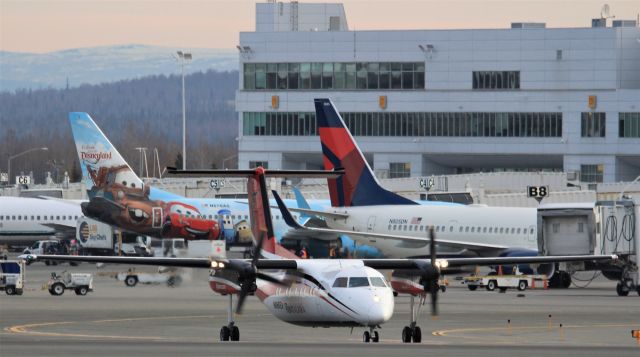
{"x": 358, "y": 186}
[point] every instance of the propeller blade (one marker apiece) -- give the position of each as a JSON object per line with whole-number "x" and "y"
{"x": 433, "y": 283}
{"x": 241, "y": 298}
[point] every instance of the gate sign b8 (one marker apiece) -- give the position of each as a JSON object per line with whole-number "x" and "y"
{"x": 537, "y": 191}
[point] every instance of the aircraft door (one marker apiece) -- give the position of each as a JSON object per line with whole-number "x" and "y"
{"x": 156, "y": 217}
{"x": 371, "y": 223}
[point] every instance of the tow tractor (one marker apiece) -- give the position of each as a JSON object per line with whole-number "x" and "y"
{"x": 12, "y": 277}
{"x": 495, "y": 281}
{"x": 79, "y": 282}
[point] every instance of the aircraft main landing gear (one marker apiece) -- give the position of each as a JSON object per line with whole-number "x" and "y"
{"x": 231, "y": 332}
{"x": 413, "y": 332}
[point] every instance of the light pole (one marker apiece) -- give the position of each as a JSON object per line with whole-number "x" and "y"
{"x": 20, "y": 154}
{"x": 228, "y": 158}
{"x": 182, "y": 57}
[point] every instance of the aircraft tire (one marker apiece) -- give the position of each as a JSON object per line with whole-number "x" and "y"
{"x": 366, "y": 337}
{"x": 406, "y": 334}
{"x": 417, "y": 335}
{"x": 225, "y": 333}
{"x": 375, "y": 337}
{"x": 621, "y": 290}
{"x": 235, "y": 333}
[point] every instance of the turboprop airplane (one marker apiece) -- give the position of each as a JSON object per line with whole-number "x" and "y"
{"x": 322, "y": 292}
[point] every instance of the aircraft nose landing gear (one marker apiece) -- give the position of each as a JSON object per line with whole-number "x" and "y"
{"x": 371, "y": 336}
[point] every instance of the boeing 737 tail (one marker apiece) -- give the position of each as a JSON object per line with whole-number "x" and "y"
{"x": 358, "y": 186}
{"x": 101, "y": 163}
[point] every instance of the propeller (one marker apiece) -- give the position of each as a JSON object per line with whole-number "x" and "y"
{"x": 432, "y": 280}
{"x": 431, "y": 274}
{"x": 249, "y": 272}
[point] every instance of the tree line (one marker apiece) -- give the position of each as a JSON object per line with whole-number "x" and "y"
{"x": 144, "y": 112}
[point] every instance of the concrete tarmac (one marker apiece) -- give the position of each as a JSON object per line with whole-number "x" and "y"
{"x": 156, "y": 320}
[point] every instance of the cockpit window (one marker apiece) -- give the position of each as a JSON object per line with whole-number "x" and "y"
{"x": 340, "y": 283}
{"x": 378, "y": 282}
{"x": 358, "y": 282}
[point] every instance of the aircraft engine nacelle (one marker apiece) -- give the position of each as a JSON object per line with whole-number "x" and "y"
{"x": 407, "y": 282}
{"x": 546, "y": 269}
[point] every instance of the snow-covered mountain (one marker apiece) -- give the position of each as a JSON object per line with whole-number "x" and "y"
{"x": 103, "y": 64}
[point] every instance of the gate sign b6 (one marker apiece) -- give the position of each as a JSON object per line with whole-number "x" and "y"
{"x": 538, "y": 192}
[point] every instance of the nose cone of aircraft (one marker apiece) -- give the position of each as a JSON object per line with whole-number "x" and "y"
{"x": 381, "y": 309}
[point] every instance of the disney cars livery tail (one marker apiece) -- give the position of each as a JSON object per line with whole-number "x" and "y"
{"x": 117, "y": 196}
{"x": 358, "y": 186}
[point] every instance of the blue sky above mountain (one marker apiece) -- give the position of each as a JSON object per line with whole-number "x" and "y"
{"x": 96, "y": 65}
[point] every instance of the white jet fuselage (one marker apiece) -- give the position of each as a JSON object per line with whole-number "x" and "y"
{"x": 497, "y": 226}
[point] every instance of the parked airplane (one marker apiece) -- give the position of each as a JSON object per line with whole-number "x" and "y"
{"x": 397, "y": 226}
{"x": 25, "y": 220}
{"x": 322, "y": 292}
{"x": 117, "y": 196}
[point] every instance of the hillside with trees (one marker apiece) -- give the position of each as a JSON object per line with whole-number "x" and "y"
{"x": 145, "y": 112}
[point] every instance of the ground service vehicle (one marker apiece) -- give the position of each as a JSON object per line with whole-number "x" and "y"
{"x": 12, "y": 277}
{"x": 79, "y": 282}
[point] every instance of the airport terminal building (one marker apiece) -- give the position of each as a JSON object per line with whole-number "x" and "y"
{"x": 436, "y": 102}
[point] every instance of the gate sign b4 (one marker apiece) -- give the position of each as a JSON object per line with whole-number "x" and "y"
{"x": 538, "y": 192}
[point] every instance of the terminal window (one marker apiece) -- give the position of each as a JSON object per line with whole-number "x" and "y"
{"x": 629, "y": 125}
{"x": 399, "y": 169}
{"x": 334, "y": 75}
{"x": 414, "y": 124}
{"x": 496, "y": 80}
{"x": 592, "y": 173}
{"x": 593, "y": 125}
{"x": 254, "y": 164}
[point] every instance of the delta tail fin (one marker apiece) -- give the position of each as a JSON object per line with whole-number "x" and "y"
{"x": 358, "y": 186}
{"x": 101, "y": 163}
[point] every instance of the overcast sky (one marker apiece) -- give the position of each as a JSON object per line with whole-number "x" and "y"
{"x": 49, "y": 25}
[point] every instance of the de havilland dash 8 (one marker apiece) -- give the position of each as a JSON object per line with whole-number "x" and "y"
{"x": 321, "y": 292}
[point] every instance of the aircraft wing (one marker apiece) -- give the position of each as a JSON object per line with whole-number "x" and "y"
{"x": 292, "y": 264}
{"x": 409, "y": 264}
{"x": 367, "y": 237}
{"x": 67, "y": 230}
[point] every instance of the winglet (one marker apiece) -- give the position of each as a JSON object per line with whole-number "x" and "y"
{"x": 286, "y": 215}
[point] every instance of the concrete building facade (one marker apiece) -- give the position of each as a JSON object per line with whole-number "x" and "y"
{"x": 435, "y": 102}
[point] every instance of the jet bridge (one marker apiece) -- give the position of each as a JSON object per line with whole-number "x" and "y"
{"x": 604, "y": 227}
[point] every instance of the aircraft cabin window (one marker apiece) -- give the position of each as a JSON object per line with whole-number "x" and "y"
{"x": 246, "y": 217}
{"x": 473, "y": 229}
{"x": 490, "y": 229}
{"x": 518, "y": 231}
{"x": 466, "y": 229}
{"x": 405, "y": 227}
{"x": 524, "y": 230}
{"x": 340, "y": 283}
{"x": 501, "y": 230}
{"x": 437, "y": 228}
{"x": 450, "y": 228}
{"x": 234, "y": 216}
{"x": 443, "y": 228}
{"x": 19, "y": 218}
{"x": 57, "y": 218}
{"x": 358, "y": 282}
{"x": 395, "y": 227}
{"x": 513, "y": 230}
{"x": 76, "y": 217}
{"x": 421, "y": 228}
{"x": 378, "y": 282}
{"x": 531, "y": 231}
{"x": 479, "y": 229}
{"x": 389, "y": 228}
{"x": 1, "y": 217}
